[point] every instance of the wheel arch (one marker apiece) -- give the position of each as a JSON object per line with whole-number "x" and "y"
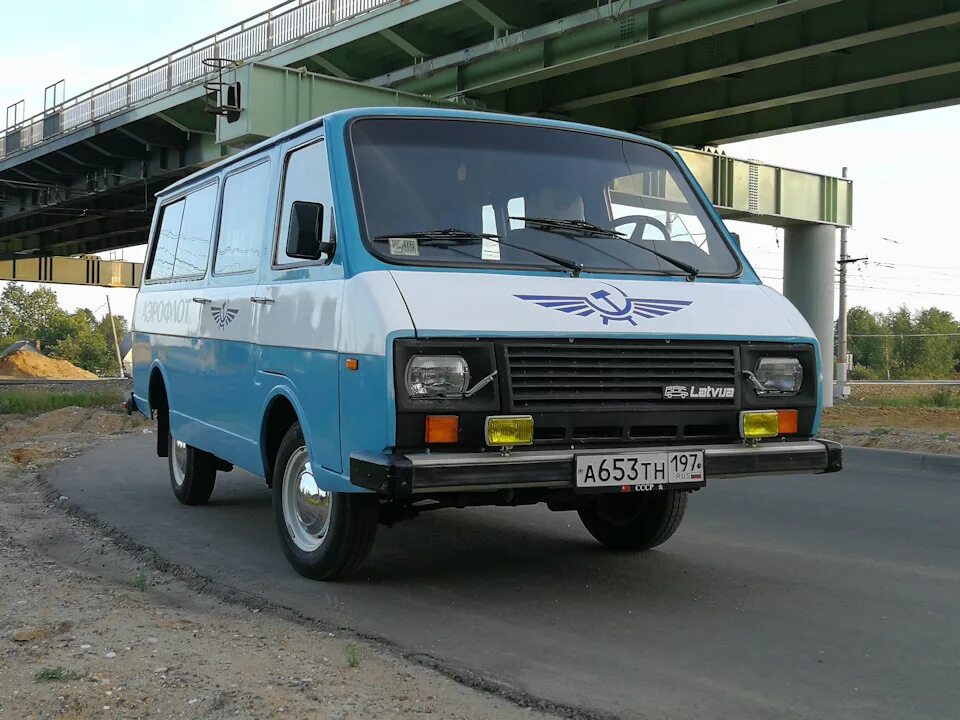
{"x": 281, "y": 410}
{"x": 158, "y": 399}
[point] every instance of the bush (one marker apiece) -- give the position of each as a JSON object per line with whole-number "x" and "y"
{"x": 859, "y": 372}
{"x": 942, "y": 398}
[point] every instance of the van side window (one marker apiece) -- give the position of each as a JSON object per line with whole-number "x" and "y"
{"x": 240, "y": 242}
{"x": 306, "y": 179}
{"x": 165, "y": 250}
{"x": 182, "y": 247}
{"x": 193, "y": 249}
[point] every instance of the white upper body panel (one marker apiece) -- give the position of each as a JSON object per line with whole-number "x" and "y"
{"x": 376, "y": 305}
{"x": 372, "y": 309}
{"x": 458, "y": 303}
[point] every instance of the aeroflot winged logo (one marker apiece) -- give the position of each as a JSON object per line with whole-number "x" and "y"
{"x": 611, "y": 306}
{"x": 222, "y": 315}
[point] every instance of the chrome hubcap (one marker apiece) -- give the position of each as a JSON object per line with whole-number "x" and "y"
{"x": 306, "y": 507}
{"x": 179, "y": 461}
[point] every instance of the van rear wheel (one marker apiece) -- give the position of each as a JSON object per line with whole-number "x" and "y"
{"x": 638, "y": 521}
{"x": 325, "y": 535}
{"x": 193, "y": 472}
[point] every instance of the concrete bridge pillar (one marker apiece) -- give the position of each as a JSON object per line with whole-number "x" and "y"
{"x": 809, "y": 262}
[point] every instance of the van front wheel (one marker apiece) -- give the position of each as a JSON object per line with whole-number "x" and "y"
{"x": 325, "y": 535}
{"x": 193, "y": 472}
{"x": 635, "y": 521}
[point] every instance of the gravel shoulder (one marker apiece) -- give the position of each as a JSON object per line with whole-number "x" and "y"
{"x": 89, "y": 630}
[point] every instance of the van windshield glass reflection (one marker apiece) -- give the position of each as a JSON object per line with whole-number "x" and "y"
{"x": 419, "y": 175}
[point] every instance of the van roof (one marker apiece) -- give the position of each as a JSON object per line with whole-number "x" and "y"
{"x": 342, "y": 117}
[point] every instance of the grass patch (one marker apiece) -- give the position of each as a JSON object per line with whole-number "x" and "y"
{"x": 139, "y": 580}
{"x": 878, "y": 432}
{"x": 353, "y": 655}
{"x": 57, "y": 674}
{"x": 35, "y": 402}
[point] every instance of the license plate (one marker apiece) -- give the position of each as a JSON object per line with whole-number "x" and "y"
{"x": 641, "y": 471}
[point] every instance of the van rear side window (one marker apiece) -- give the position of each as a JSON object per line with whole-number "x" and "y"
{"x": 182, "y": 248}
{"x": 241, "y": 220}
{"x": 165, "y": 252}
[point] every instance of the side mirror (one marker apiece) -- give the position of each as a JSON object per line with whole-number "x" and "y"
{"x": 304, "y": 237}
{"x": 736, "y": 239}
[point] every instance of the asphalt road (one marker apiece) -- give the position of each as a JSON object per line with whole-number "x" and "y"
{"x": 833, "y": 596}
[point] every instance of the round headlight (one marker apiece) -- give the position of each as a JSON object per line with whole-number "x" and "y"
{"x": 777, "y": 374}
{"x": 437, "y": 376}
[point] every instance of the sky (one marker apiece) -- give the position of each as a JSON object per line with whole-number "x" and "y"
{"x": 904, "y": 168}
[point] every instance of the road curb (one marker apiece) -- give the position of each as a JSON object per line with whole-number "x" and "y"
{"x": 905, "y": 461}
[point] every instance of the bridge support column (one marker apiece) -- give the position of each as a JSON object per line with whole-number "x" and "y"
{"x": 809, "y": 261}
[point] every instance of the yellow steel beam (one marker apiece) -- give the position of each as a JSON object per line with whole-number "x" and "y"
{"x": 87, "y": 270}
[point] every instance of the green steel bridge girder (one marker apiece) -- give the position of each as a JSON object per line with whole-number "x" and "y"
{"x": 689, "y": 72}
{"x": 279, "y": 98}
{"x": 275, "y": 99}
{"x": 714, "y": 70}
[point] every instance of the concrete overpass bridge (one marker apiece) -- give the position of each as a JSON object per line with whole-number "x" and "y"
{"x": 80, "y": 176}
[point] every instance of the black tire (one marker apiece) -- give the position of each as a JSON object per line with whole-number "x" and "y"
{"x": 635, "y": 522}
{"x": 350, "y": 524}
{"x": 193, "y": 481}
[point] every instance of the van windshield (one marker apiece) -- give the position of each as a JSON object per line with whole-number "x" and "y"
{"x": 422, "y": 175}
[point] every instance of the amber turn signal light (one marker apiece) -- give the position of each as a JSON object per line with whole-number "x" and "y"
{"x": 442, "y": 429}
{"x": 787, "y": 422}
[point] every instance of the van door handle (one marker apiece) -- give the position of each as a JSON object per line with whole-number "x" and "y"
{"x": 263, "y": 300}
{"x": 202, "y": 301}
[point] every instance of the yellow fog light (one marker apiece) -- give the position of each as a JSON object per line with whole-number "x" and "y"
{"x": 759, "y": 423}
{"x": 508, "y": 430}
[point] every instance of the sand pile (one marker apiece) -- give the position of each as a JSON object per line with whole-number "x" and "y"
{"x": 27, "y": 364}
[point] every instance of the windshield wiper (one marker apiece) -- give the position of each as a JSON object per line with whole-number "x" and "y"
{"x": 456, "y": 235}
{"x": 582, "y": 228}
{"x": 578, "y": 227}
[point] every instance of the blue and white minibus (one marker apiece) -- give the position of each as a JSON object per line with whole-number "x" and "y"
{"x": 388, "y": 311}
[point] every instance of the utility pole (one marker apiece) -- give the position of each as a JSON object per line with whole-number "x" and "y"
{"x": 116, "y": 343}
{"x": 840, "y": 389}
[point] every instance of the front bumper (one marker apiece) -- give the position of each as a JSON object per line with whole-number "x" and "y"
{"x": 402, "y": 475}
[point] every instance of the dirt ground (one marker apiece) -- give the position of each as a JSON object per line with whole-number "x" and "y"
{"x": 90, "y": 630}
{"x": 935, "y": 430}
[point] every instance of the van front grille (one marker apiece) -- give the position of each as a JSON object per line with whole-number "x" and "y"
{"x": 621, "y": 375}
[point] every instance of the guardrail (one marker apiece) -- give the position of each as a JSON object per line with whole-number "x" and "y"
{"x": 283, "y": 24}
{"x": 903, "y": 382}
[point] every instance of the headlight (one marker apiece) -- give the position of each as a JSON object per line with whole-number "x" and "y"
{"x": 437, "y": 376}
{"x": 779, "y": 375}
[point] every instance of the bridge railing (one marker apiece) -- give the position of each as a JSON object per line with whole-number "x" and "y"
{"x": 281, "y": 25}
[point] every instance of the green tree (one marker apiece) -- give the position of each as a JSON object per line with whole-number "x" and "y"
{"x": 937, "y": 355}
{"x": 25, "y": 315}
{"x": 103, "y": 327}
{"x": 904, "y": 345}
{"x": 89, "y": 344}
{"x": 868, "y": 351}
{"x": 78, "y": 336}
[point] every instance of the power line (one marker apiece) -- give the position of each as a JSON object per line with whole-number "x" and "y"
{"x": 903, "y": 335}
{"x": 883, "y": 289}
